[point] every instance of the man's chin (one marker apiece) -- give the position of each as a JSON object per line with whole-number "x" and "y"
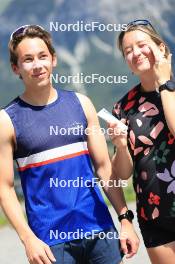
{"x": 42, "y": 83}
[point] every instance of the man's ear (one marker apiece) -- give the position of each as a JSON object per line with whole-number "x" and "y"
{"x": 54, "y": 60}
{"x": 15, "y": 69}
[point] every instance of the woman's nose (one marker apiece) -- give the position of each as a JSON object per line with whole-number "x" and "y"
{"x": 136, "y": 51}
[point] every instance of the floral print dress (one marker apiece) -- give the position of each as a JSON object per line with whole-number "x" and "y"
{"x": 152, "y": 147}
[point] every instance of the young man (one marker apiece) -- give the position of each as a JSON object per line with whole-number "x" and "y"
{"x": 49, "y": 163}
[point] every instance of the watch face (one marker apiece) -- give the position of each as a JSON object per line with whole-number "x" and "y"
{"x": 170, "y": 85}
{"x": 130, "y": 214}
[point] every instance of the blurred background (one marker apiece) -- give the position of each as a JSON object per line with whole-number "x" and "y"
{"x": 86, "y": 52}
{"x": 81, "y": 51}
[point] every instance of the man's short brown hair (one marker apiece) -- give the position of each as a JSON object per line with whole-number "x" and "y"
{"x": 30, "y": 31}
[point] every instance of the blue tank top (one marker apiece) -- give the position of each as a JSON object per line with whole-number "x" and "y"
{"x": 61, "y": 198}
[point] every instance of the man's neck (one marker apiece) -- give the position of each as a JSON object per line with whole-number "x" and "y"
{"x": 39, "y": 96}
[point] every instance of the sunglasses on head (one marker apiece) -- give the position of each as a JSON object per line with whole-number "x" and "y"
{"x": 22, "y": 29}
{"x": 140, "y": 22}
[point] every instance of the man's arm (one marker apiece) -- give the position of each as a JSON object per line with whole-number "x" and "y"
{"x": 98, "y": 151}
{"x": 122, "y": 164}
{"x": 35, "y": 248}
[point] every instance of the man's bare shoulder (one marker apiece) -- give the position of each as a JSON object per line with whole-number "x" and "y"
{"x": 83, "y": 98}
{"x": 88, "y": 108}
{"x": 6, "y": 126}
{"x": 85, "y": 102}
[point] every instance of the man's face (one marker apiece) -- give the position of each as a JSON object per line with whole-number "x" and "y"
{"x": 35, "y": 63}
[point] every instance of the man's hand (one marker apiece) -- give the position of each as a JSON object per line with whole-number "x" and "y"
{"x": 128, "y": 239}
{"x": 38, "y": 252}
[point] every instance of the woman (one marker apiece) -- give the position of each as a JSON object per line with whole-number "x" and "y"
{"x": 148, "y": 149}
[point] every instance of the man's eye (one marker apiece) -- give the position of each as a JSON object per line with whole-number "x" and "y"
{"x": 43, "y": 56}
{"x": 28, "y": 60}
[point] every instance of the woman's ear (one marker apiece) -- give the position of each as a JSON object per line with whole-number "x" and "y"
{"x": 162, "y": 49}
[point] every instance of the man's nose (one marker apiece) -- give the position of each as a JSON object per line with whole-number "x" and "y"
{"x": 37, "y": 64}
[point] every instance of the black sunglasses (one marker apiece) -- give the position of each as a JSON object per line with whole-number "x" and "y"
{"x": 140, "y": 22}
{"x": 21, "y": 30}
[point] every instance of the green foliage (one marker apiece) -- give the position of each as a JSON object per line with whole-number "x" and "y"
{"x": 128, "y": 192}
{"x": 3, "y": 220}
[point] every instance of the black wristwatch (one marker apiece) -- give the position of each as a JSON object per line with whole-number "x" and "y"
{"x": 169, "y": 85}
{"x": 128, "y": 215}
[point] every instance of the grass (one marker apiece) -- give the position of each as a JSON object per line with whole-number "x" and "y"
{"x": 3, "y": 221}
{"x": 128, "y": 192}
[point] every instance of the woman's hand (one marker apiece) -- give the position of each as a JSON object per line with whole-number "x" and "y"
{"x": 128, "y": 239}
{"x": 162, "y": 66}
{"x": 117, "y": 135}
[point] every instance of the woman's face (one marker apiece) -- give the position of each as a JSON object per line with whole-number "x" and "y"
{"x": 137, "y": 47}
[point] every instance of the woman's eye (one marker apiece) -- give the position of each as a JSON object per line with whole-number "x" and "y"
{"x": 142, "y": 45}
{"x": 128, "y": 52}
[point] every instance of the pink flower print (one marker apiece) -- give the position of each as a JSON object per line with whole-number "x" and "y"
{"x": 155, "y": 213}
{"x": 145, "y": 140}
{"x": 144, "y": 175}
{"x": 142, "y": 99}
{"x": 138, "y": 150}
{"x": 156, "y": 130}
{"x": 117, "y": 108}
{"x": 154, "y": 134}
{"x": 146, "y": 151}
{"x": 132, "y": 143}
{"x": 166, "y": 177}
{"x": 132, "y": 139}
{"x": 149, "y": 109}
{"x": 138, "y": 189}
